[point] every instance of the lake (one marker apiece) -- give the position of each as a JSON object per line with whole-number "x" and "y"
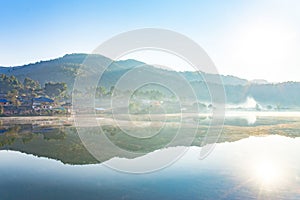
{"x": 253, "y": 159}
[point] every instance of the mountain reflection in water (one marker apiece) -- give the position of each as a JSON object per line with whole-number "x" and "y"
{"x": 257, "y": 160}
{"x": 252, "y": 168}
{"x": 62, "y": 143}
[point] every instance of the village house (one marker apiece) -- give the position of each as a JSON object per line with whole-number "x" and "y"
{"x": 28, "y": 105}
{"x": 42, "y": 103}
{"x": 4, "y": 102}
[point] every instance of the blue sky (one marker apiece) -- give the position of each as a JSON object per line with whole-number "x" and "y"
{"x": 244, "y": 38}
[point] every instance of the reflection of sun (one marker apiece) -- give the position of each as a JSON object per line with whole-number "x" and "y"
{"x": 267, "y": 173}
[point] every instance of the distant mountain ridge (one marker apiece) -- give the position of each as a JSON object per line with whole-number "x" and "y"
{"x": 67, "y": 65}
{"x": 66, "y": 68}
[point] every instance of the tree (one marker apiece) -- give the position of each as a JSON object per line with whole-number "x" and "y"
{"x": 1, "y": 110}
{"x": 56, "y": 90}
{"x": 8, "y": 83}
{"x": 100, "y": 91}
{"x": 111, "y": 91}
{"x": 30, "y": 84}
{"x": 31, "y": 87}
{"x": 13, "y": 97}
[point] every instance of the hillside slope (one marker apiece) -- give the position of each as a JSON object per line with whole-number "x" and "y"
{"x": 66, "y": 68}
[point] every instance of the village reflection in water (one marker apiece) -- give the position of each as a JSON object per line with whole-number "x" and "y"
{"x": 250, "y": 161}
{"x": 59, "y": 140}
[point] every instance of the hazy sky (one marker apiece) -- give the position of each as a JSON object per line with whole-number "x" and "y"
{"x": 251, "y": 39}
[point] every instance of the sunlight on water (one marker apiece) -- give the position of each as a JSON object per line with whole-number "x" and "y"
{"x": 268, "y": 173}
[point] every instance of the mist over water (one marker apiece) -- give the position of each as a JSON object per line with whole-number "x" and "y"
{"x": 250, "y": 103}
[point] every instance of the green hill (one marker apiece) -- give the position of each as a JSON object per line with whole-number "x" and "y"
{"x": 66, "y": 68}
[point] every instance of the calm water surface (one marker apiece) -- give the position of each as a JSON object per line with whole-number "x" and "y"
{"x": 253, "y": 167}
{"x": 234, "y": 170}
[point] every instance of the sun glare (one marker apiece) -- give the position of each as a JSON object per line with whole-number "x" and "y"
{"x": 267, "y": 173}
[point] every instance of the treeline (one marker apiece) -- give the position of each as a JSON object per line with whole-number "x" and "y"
{"x": 13, "y": 89}
{"x": 281, "y": 94}
{"x": 103, "y": 92}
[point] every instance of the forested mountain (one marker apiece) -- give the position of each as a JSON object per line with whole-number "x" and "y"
{"x": 66, "y": 68}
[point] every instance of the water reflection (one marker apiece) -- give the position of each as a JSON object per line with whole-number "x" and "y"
{"x": 63, "y": 143}
{"x": 251, "y": 161}
{"x": 234, "y": 170}
{"x": 56, "y": 142}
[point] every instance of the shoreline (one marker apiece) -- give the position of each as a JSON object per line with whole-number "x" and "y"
{"x": 140, "y": 121}
{"x": 228, "y": 113}
{"x": 34, "y": 117}
{"x": 38, "y": 120}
